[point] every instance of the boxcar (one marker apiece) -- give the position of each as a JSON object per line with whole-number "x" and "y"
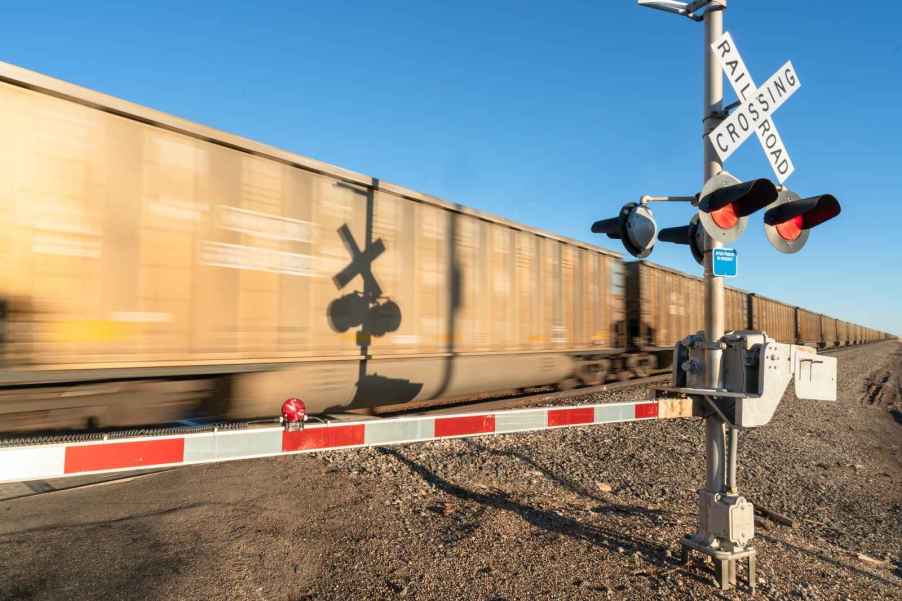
{"x": 808, "y": 328}
{"x": 842, "y": 333}
{"x": 829, "y": 332}
{"x": 774, "y": 317}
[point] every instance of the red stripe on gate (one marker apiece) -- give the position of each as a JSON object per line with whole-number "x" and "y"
{"x": 116, "y": 455}
{"x": 323, "y": 438}
{"x": 570, "y": 417}
{"x": 460, "y": 426}
{"x": 645, "y": 410}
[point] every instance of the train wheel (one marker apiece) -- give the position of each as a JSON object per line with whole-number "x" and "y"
{"x": 636, "y": 365}
{"x": 567, "y": 384}
{"x": 593, "y": 374}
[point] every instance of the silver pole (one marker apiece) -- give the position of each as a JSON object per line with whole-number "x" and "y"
{"x": 714, "y": 294}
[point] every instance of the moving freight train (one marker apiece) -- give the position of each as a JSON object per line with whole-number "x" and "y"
{"x": 153, "y": 268}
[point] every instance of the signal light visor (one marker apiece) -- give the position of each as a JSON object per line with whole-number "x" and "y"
{"x": 808, "y": 212}
{"x": 789, "y": 222}
{"x": 635, "y": 226}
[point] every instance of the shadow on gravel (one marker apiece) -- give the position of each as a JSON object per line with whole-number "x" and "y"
{"x": 102, "y": 523}
{"x": 561, "y": 480}
{"x": 897, "y": 415}
{"x": 651, "y": 515}
{"x": 827, "y": 559}
{"x": 549, "y": 521}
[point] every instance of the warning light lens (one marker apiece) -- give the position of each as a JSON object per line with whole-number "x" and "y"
{"x": 792, "y": 229}
{"x": 725, "y": 217}
{"x": 294, "y": 411}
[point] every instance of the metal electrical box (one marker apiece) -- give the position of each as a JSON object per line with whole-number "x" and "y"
{"x": 732, "y": 519}
{"x": 754, "y": 373}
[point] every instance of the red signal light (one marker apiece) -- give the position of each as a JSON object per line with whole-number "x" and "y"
{"x": 725, "y": 216}
{"x": 790, "y": 230}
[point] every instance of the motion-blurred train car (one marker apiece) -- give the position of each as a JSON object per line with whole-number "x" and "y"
{"x": 146, "y": 257}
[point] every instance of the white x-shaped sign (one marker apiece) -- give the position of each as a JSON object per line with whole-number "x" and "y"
{"x": 755, "y": 108}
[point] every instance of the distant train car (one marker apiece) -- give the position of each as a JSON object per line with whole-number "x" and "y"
{"x": 776, "y": 318}
{"x": 808, "y": 328}
{"x": 842, "y": 336}
{"x": 829, "y": 333}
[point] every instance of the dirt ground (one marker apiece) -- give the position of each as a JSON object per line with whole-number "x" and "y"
{"x": 582, "y": 513}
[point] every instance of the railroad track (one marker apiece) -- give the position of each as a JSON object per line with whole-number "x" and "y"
{"x": 494, "y": 402}
{"x": 513, "y": 401}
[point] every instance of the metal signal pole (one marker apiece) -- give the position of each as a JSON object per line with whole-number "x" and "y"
{"x": 714, "y": 291}
{"x": 726, "y": 523}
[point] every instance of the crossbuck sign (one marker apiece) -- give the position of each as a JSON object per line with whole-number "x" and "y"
{"x": 757, "y": 104}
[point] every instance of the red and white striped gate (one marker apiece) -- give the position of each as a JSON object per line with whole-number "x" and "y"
{"x": 37, "y": 462}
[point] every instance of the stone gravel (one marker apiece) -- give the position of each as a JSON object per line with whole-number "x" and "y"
{"x": 597, "y": 512}
{"x": 579, "y": 513}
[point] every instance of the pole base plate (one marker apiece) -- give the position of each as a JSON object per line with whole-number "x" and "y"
{"x": 724, "y": 562}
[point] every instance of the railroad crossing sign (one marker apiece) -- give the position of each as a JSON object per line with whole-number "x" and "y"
{"x": 757, "y": 104}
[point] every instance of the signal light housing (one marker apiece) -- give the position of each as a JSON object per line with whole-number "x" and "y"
{"x": 635, "y": 226}
{"x": 693, "y": 235}
{"x": 725, "y": 204}
{"x": 789, "y": 222}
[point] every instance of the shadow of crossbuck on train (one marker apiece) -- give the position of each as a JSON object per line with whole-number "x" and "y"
{"x": 373, "y": 314}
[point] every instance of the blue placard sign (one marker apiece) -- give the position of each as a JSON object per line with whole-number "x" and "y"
{"x": 725, "y": 262}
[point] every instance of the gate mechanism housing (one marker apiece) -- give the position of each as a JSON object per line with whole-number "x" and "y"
{"x": 754, "y": 373}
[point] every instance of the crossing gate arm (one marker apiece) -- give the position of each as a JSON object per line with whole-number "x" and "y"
{"x": 40, "y": 462}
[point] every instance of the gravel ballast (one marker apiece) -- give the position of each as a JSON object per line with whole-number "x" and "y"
{"x": 593, "y": 513}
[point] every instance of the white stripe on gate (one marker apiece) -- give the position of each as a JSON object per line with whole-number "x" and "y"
{"x": 515, "y": 421}
{"x": 33, "y": 463}
{"x": 389, "y": 432}
{"x": 231, "y": 445}
{"x": 18, "y": 464}
{"x": 615, "y": 413}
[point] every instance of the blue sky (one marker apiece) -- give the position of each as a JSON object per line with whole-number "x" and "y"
{"x": 551, "y": 114}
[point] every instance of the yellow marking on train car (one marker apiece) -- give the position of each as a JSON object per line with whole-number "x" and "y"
{"x": 94, "y": 330}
